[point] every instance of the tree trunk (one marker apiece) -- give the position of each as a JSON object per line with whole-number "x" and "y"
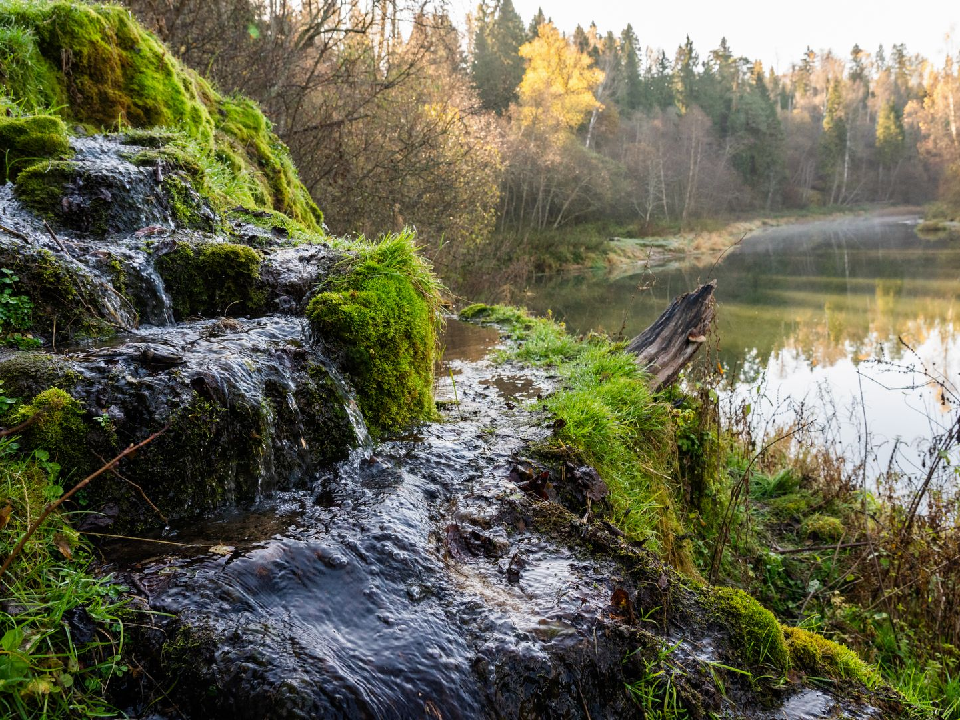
{"x": 664, "y": 348}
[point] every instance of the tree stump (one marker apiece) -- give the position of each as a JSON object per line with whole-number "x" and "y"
{"x": 664, "y": 348}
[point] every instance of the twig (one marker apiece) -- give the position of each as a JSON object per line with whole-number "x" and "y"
{"x": 725, "y": 251}
{"x": 724, "y": 534}
{"x": 24, "y": 425}
{"x": 70, "y": 493}
{"x": 143, "y": 494}
{"x": 814, "y": 548}
{"x": 55, "y": 238}
{"x": 14, "y": 233}
{"x": 141, "y": 539}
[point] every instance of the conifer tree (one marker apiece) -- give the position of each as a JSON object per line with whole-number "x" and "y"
{"x": 497, "y": 67}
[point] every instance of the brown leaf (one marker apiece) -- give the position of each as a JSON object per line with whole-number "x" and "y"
{"x": 63, "y": 545}
{"x": 5, "y": 515}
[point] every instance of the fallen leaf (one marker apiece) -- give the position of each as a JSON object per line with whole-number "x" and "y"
{"x": 5, "y": 515}
{"x": 222, "y": 549}
{"x": 63, "y": 545}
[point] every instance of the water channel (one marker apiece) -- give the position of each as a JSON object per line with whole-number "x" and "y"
{"x": 853, "y": 319}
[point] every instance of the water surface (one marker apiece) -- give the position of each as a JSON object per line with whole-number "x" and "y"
{"x": 848, "y": 317}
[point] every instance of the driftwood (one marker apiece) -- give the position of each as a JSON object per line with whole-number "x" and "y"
{"x": 664, "y": 348}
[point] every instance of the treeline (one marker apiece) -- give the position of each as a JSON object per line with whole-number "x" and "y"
{"x": 508, "y": 130}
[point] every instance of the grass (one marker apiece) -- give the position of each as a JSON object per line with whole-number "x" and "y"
{"x": 608, "y": 418}
{"x": 61, "y": 627}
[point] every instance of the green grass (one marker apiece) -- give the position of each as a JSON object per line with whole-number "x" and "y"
{"x": 61, "y": 628}
{"x": 608, "y": 418}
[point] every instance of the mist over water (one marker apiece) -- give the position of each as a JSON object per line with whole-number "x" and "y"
{"x": 845, "y": 321}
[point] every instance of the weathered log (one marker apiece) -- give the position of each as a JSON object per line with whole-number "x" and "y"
{"x": 664, "y": 348}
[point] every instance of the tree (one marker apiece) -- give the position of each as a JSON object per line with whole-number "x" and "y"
{"x": 557, "y": 90}
{"x": 685, "y": 76}
{"x": 534, "y": 27}
{"x": 497, "y": 67}
{"x": 630, "y": 92}
{"x": 891, "y": 138}
{"x": 833, "y": 143}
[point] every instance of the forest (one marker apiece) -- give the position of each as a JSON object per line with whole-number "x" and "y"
{"x": 507, "y": 140}
{"x": 273, "y": 444}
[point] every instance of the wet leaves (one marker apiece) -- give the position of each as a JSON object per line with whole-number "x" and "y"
{"x": 64, "y": 545}
{"x": 620, "y": 600}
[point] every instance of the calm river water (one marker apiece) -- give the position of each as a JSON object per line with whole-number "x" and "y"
{"x": 809, "y": 314}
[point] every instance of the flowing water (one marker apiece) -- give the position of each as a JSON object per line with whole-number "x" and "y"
{"x": 846, "y": 318}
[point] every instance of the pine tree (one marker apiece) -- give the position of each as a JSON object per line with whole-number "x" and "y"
{"x": 685, "y": 76}
{"x": 534, "y": 27}
{"x": 497, "y": 67}
{"x": 630, "y": 96}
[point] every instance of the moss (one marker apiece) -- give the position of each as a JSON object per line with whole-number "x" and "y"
{"x": 41, "y": 187}
{"x": 793, "y": 505}
{"x": 755, "y": 633}
{"x": 816, "y": 656}
{"x": 187, "y": 205}
{"x": 27, "y": 374}
{"x": 212, "y": 279}
{"x": 94, "y": 64}
{"x": 60, "y": 430}
{"x": 384, "y": 313}
{"x": 822, "y": 527}
{"x": 209, "y": 456}
{"x": 26, "y": 141}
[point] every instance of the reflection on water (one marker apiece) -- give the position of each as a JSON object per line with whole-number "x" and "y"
{"x": 825, "y": 312}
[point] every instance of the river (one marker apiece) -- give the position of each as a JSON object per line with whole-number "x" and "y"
{"x": 850, "y": 322}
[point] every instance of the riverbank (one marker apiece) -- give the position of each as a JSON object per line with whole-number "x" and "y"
{"x": 495, "y": 270}
{"x": 783, "y": 517}
{"x": 715, "y": 238}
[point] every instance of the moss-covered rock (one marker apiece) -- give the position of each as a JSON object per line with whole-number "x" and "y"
{"x": 212, "y": 279}
{"x": 822, "y": 527}
{"x": 755, "y": 633}
{"x": 383, "y": 314}
{"x": 94, "y": 64}
{"x": 60, "y": 429}
{"x": 26, "y": 141}
{"x": 816, "y": 656}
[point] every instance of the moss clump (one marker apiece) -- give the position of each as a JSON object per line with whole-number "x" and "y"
{"x": 94, "y": 64}
{"x": 822, "y": 527}
{"x": 384, "y": 314}
{"x": 41, "y": 187}
{"x": 755, "y": 633}
{"x": 60, "y": 430}
{"x": 26, "y": 141}
{"x": 212, "y": 279}
{"x": 815, "y": 655}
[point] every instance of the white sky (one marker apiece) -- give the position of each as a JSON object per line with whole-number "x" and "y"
{"x": 774, "y": 32}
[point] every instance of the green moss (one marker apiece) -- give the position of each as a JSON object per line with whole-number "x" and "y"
{"x": 212, "y": 279}
{"x": 822, "y": 527}
{"x": 384, "y": 313}
{"x": 94, "y": 64}
{"x": 60, "y": 430}
{"x": 41, "y": 186}
{"x": 815, "y": 655}
{"x": 794, "y": 505}
{"x": 26, "y": 374}
{"x": 25, "y": 141}
{"x": 186, "y": 205}
{"x": 755, "y": 633}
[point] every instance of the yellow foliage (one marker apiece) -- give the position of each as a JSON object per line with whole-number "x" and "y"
{"x": 557, "y": 90}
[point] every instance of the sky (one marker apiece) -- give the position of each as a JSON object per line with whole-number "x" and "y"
{"x": 776, "y": 33}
